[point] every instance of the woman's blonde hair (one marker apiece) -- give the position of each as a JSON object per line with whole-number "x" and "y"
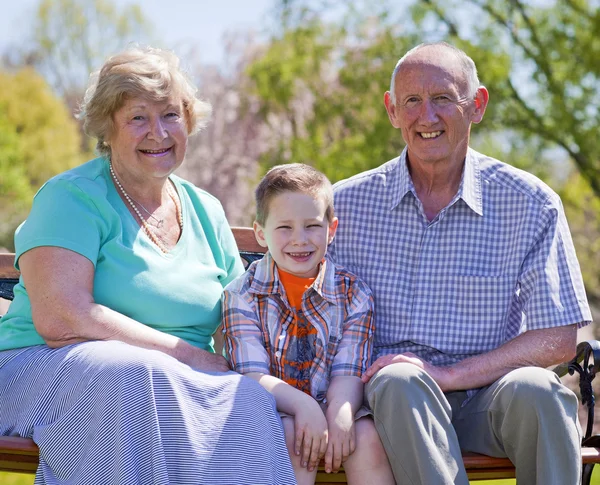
{"x": 145, "y": 72}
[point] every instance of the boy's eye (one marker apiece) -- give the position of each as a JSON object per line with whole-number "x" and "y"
{"x": 283, "y": 227}
{"x": 315, "y": 225}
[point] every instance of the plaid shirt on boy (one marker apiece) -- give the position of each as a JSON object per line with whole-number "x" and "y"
{"x": 496, "y": 262}
{"x": 256, "y": 315}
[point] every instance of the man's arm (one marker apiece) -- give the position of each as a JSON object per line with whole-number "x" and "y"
{"x": 541, "y": 348}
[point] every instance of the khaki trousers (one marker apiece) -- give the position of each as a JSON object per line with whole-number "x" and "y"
{"x": 528, "y": 416}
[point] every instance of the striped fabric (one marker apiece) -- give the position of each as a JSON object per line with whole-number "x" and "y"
{"x": 257, "y": 317}
{"x": 496, "y": 262}
{"x": 113, "y": 414}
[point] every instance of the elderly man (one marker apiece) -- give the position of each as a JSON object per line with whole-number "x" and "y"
{"x": 477, "y": 289}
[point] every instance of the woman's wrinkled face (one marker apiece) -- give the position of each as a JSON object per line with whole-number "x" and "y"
{"x": 149, "y": 138}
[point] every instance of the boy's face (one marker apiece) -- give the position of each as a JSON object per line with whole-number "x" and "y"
{"x": 296, "y": 232}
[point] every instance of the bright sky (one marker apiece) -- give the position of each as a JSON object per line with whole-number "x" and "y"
{"x": 203, "y": 22}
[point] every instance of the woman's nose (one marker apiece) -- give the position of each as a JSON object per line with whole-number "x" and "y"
{"x": 157, "y": 130}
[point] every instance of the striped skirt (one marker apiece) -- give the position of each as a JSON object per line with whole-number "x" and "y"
{"x": 107, "y": 413}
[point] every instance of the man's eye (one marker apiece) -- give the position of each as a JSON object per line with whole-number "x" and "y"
{"x": 411, "y": 102}
{"x": 172, "y": 115}
{"x": 442, "y": 100}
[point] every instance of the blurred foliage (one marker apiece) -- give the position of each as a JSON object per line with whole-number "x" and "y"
{"x": 38, "y": 139}
{"x": 72, "y": 38}
{"x": 323, "y": 75}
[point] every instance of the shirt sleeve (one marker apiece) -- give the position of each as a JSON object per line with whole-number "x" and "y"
{"x": 551, "y": 291}
{"x": 354, "y": 350}
{"x": 245, "y": 345}
{"x": 63, "y": 215}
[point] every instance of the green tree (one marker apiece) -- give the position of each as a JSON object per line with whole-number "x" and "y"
{"x": 71, "y": 39}
{"x": 38, "y": 139}
{"x": 537, "y": 59}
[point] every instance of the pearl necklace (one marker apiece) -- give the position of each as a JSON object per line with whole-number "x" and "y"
{"x": 145, "y": 224}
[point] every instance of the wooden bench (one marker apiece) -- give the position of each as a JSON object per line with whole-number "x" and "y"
{"x": 21, "y": 454}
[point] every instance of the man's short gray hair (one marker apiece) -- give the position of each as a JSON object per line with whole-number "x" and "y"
{"x": 467, "y": 66}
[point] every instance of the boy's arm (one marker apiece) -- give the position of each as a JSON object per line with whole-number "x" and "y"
{"x": 353, "y": 353}
{"x": 345, "y": 392}
{"x": 344, "y": 398}
{"x": 310, "y": 425}
{"x": 244, "y": 342}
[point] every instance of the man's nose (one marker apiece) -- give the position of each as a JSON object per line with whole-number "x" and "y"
{"x": 428, "y": 111}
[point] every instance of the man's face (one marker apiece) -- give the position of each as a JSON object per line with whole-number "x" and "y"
{"x": 433, "y": 108}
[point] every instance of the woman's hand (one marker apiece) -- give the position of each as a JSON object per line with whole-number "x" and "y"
{"x": 342, "y": 438}
{"x": 310, "y": 434}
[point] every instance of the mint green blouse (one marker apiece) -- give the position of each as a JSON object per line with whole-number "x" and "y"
{"x": 178, "y": 293}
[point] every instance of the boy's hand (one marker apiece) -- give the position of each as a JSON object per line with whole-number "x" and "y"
{"x": 310, "y": 434}
{"x": 342, "y": 438}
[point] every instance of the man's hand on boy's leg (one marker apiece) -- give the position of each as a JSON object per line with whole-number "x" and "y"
{"x": 311, "y": 434}
{"x": 342, "y": 438}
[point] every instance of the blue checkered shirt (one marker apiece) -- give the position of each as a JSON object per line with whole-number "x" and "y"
{"x": 496, "y": 262}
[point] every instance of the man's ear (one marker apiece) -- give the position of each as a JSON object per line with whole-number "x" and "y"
{"x": 333, "y": 225}
{"x": 481, "y": 101}
{"x": 391, "y": 109}
{"x": 259, "y": 234}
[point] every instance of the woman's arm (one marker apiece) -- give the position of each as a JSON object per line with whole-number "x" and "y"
{"x": 59, "y": 283}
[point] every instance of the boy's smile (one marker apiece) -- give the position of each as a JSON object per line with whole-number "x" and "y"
{"x": 296, "y": 232}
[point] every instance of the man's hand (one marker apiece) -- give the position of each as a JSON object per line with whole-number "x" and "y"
{"x": 441, "y": 375}
{"x": 310, "y": 434}
{"x": 342, "y": 438}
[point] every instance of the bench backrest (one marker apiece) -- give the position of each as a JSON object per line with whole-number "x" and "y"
{"x": 249, "y": 249}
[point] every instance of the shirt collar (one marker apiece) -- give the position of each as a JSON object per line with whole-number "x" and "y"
{"x": 266, "y": 279}
{"x": 470, "y": 185}
{"x": 469, "y": 190}
{"x": 401, "y": 183}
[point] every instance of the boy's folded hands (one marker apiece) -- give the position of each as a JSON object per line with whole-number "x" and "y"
{"x": 311, "y": 433}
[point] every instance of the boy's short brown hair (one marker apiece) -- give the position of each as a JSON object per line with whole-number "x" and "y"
{"x": 292, "y": 177}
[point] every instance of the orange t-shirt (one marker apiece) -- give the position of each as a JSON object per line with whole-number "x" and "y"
{"x": 301, "y": 334}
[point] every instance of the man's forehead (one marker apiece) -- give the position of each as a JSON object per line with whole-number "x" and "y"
{"x": 433, "y": 66}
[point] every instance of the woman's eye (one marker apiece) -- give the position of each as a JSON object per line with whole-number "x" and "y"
{"x": 172, "y": 115}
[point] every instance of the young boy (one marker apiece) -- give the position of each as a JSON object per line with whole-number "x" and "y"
{"x": 303, "y": 328}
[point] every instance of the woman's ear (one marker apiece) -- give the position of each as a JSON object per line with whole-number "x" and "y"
{"x": 259, "y": 234}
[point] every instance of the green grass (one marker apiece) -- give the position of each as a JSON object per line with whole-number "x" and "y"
{"x": 22, "y": 479}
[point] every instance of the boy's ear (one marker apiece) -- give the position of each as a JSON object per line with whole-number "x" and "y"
{"x": 333, "y": 225}
{"x": 259, "y": 234}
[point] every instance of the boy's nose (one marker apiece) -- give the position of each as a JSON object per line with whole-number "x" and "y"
{"x": 299, "y": 237}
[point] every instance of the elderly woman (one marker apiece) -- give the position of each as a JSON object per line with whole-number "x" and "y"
{"x": 106, "y": 353}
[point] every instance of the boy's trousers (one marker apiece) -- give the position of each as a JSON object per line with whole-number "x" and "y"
{"x": 528, "y": 416}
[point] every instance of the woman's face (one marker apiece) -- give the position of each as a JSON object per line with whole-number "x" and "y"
{"x": 149, "y": 138}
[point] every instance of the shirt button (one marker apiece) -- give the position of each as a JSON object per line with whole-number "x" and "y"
{"x": 278, "y": 354}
